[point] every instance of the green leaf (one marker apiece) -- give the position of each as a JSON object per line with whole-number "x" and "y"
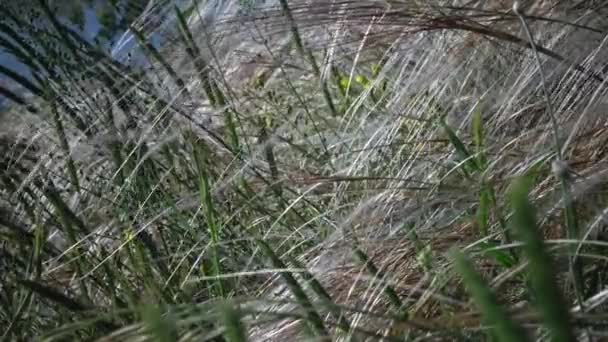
{"x": 314, "y": 320}
{"x": 235, "y": 330}
{"x": 502, "y": 258}
{"x": 462, "y": 152}
{"x": 493, "y": 313}
{"x": 478, "y": 136}
{"x": 376, "y": 69}
{"x": 541, "y": 271}
{"x": 483, "y": 212}
{"x": 344, "y": 83}
{"x": 162, "y": 328}
{"x": 362, "y": 80}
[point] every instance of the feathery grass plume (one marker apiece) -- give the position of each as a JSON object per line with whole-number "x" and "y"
{"x": 173, "y": 211}
{"x": 541, "y": 269}
{"x": 503, "y": 327}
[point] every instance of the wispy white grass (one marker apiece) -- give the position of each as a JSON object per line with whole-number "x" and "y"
{"x": 389, "y": 164}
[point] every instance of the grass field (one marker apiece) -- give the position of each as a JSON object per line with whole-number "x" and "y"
{"x": 313, "y": 170}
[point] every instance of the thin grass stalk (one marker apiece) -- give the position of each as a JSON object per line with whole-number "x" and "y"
{"x": 206, "y": 202}
{"x": 152, "y": 53}
{"x": 8, "y": 332}
{"x": 307, "y": 54}
{"x": 234, "y": 329}
{"x": 65, "y": 39}
{"x": 17, "y": 49}
{"x": 63, "y": 143}
{"x": 270, "y": 159}
{"x": 193, "y": 51}
{"x": 54, "y": 296}
{"x": 22, "y": 81}
{"x": 493, "y": 312}
{"x": 541, "y": 270}
{"x": 210, "y": 87}
{"x": 17, "y": 100}
{"x": 312, "y": 317}
{"x": 572, "y": 231}
{"x": 63, "y": 209}
{"x": 68, "y": 220}
{"x": 325, "y": 298}
{"x": 30, "y": 53}
{"x": 390, "y": 293}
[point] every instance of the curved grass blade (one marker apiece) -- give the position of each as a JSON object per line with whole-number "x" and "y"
{"x": 314, "y": 320}
{"x": 234, "y": 329}
{"x": 541, "y": 270}
{"x": 493, "y": 313}
{"x": 162, "y": 328}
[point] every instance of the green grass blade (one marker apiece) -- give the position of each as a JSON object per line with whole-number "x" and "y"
{"x": 483, "y": 212}
{"x": 160, "y": 326}
{"x": 325, "y": 298}
{"x": 477, "y": 130}
{"x": 209, "y": 211}
{"x": 314, "y": 320}
{"x": 200, "y": 64}
{"x": 153, "y": 53}
{"x": 478, "y": 135}
{"x": 493, "y": 313}
{"x": 541, "y": 270}
{"x": 307, "y": 54}
{"x": 63, "y": 142}
{"x": 234, "y": 329}
{"x": 462, "y": 152}
{"x": 390, "y": 293}
{"x": 54, "y": 295}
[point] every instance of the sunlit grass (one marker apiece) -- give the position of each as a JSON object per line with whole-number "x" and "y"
{"x": 327, "y": 171}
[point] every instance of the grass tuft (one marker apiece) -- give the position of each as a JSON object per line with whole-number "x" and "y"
{"x": 541, "y": 269}
{"x": 495, "y": 315}
{"x": 291, "y": 170}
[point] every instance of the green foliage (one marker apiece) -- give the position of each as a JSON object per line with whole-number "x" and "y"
{"x": 209, "y": 212}
{"x": 313, "y": 319}
{"x": 483, "y": 212}
{"x": 161, "y": 327}
{"x": 117, "y": 15}
{"x": 541, "y": 270}
{"x": 462, "y": 152}
{"x": 234, "y": 329}
{"x": 493, "y": 312}
{"x": 175, "y": 228}
{"x": 503, "y": 258}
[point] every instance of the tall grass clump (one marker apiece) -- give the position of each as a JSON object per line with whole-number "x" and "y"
{"x": 295, "y": 170}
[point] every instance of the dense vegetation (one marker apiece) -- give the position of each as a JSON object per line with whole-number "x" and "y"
{"x": 289, "y": 170}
